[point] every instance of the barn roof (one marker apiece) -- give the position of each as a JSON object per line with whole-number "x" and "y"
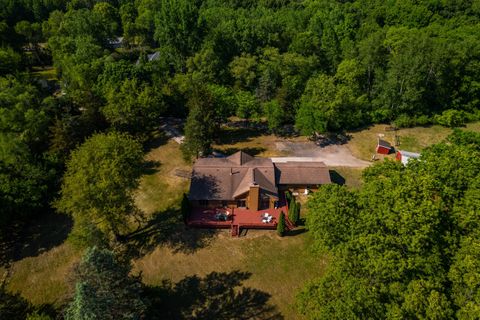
{"x": 383, "y": 143}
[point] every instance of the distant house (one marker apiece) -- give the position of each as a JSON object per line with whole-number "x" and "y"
{"x": 116, "y": 43}
{"x": 242, "y": 191}
{"x": 150, "y": 57}
{"x": 383, "y": 147}
{"x": 241, "y": 180}
{"x": 405, "y": 156}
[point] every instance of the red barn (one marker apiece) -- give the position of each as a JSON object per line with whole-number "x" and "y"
{"x": 383, "y": 147}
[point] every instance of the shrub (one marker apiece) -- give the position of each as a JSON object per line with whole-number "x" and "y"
{"x": 288, "y": 196}
{"x": 294, "y": 212}
{"x": 281, "y": 225}
{"x": 404, "y": 121}
{"x": 451, "y": 118}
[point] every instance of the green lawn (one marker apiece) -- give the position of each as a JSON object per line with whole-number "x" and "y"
{"x": 415, "y": 139}
{"x": 176, "y": 253}
{"x": 275, "y": 266}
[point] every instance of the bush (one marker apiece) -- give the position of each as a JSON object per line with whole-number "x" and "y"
{"x": 294, "y": 212}
{"x": 281, "y": 225}
{"x": 405, "y": 121}
{"x": 288, "y": 196}
{"x": 451, "y": 118}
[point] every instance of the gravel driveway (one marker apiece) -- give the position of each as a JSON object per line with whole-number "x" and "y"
{"x": 333, "y": 155}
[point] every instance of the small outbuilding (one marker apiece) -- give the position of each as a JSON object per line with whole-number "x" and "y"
{"x": 383, "y": 147}
{"x": 405, "y": 156}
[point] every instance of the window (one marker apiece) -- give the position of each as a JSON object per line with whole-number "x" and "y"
{"x": 203, "y": 203}
{"x": 241, "y": 203}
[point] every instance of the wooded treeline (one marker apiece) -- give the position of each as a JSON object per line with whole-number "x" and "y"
{"x": 404, "y": 246}
{"x": 319, "y": 65}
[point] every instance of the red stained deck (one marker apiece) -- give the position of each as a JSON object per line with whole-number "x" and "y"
{"x": 238, "y": 218}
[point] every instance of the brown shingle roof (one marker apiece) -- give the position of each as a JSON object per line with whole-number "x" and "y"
{"x": 228, "y": 178}
{"x": 231, "y": 177}
{"x": 299, "y": 173}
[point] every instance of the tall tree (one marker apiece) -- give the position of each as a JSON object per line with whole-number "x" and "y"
{"x": 105, "y": 289}
{"x": 98, "y": 186}
{"x": 200, "y": 126}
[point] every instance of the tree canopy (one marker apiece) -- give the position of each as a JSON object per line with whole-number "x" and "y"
{"x": 403, "y": 245}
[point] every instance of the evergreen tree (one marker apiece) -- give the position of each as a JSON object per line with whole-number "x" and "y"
{"x": 292, "y": 209}
{"x": 281, "y": 225}
{"x": 105, "y": 289}
{"x": 201, "y": 126}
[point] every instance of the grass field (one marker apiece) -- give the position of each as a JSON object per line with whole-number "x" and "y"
{"x": 276, "y": 266}
{"x": 271, "y": 261}
{"x": 363, "y": 142}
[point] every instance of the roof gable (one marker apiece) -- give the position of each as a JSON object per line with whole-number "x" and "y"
{"x": 240, "y": 158}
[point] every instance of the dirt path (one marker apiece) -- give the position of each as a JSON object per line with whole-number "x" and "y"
{"x": 333, "y": 155}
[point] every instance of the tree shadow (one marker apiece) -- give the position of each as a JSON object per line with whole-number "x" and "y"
{"x": 234, "y": 134}
{"x": 167, "y": 228}
{"x": 35, "y": 237}
{"x": 336, "y": 177}
{"x": 155, "y": 140}
{"x": 295, "y": 232}
{"x": 150, "y": 167}
{"x": 324, "y": 140}
{"x": 216, "y": 296}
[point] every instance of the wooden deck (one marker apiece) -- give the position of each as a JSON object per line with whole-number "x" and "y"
{"x": 236, "y": 219}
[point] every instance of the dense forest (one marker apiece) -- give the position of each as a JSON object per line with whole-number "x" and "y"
{"x": 115, "y": 67}
{"x": 406, "y": 245}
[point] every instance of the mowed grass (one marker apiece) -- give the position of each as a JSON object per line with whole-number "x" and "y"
{"x": 349, "y": 176}
{"x": 278, "y": 266}
{"x": 363, "y": 143}
{"x": 252, "y": 141}
{"x": 161, "y": 188}
{"x": 43, "y": 279}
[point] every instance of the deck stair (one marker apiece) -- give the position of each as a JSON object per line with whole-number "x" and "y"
{"x": 289, "y": 224}
{"x": 235, "y": 230}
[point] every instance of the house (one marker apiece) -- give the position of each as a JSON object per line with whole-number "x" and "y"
{"x": 243, "y": 181}
{"x": 383, "y": 147}
{"x": 242, "y": 191}
{"x": 405, "y": 156}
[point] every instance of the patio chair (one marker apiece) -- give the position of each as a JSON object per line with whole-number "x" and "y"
{"x": 269, "y": 219}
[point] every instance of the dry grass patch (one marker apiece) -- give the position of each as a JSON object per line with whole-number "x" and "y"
{"x": 349, "y": 176}
{"x": 363, "y": 143}
{"x": 254, "y": 142}
{"x": 278, "y": 266}
{"x": 43, "y": 279}
{"x": 161, "y": 188}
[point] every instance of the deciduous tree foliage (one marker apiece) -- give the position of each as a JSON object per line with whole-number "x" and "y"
{"x": 97, "y": 187}
{"x": 403, "y": 245}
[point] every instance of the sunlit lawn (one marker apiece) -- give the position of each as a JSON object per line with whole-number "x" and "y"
{"x": 278, "y": 266}
{"x": 43, "y": 279}
{"x": 416, "y": 139}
